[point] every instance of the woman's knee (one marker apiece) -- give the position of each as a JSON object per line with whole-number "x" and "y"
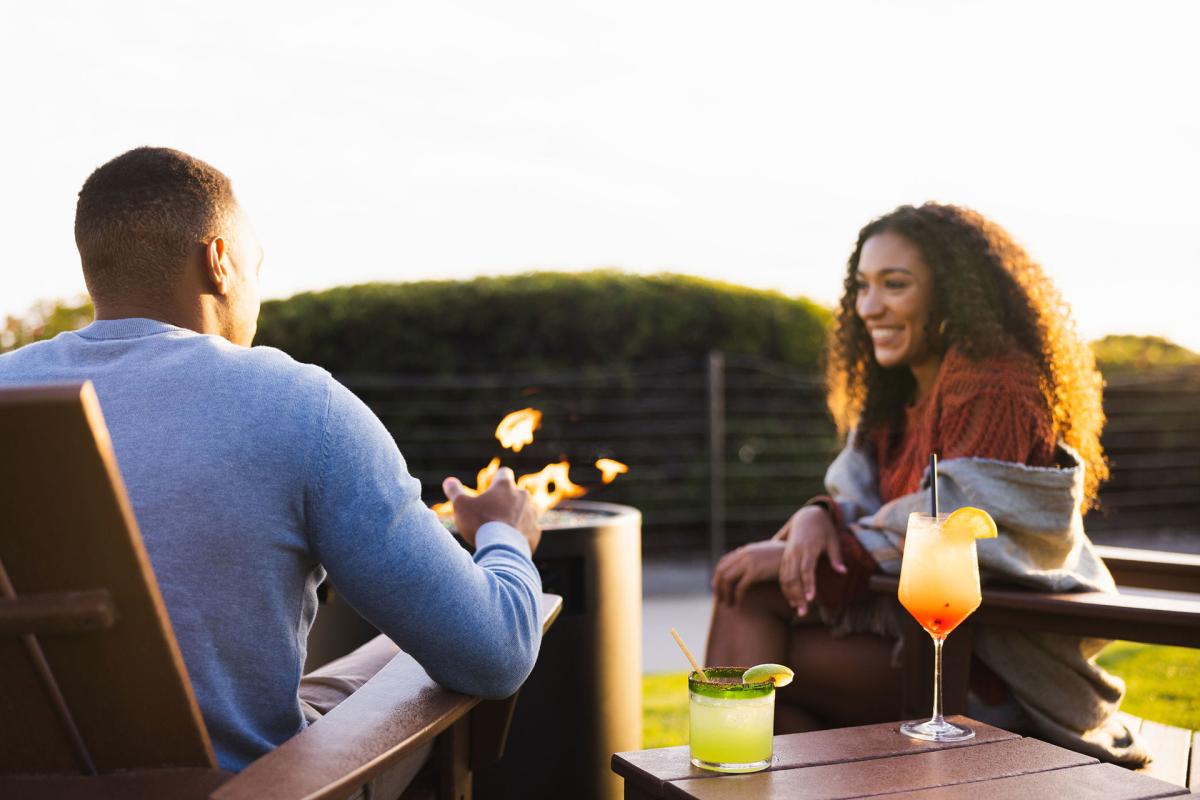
{"x": 765, "y": 598}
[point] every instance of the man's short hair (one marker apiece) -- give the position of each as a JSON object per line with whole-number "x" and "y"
{"x": 140, "y": 217}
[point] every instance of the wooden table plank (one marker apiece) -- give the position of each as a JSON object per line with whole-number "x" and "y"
{"x": 649, "y": 770}
{"x": 1169, "y": 746}
{"x": 1091, "y": 782}
{"x": 910, "y": 772}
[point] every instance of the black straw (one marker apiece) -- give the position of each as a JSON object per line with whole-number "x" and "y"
{"x": 933, "y": 501}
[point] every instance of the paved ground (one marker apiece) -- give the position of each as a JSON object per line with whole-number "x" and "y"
{"x": 675, "y": 594}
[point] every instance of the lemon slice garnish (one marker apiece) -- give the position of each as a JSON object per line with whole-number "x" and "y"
{"x": 777, "y": 673}
{"x": 971, "y": 522}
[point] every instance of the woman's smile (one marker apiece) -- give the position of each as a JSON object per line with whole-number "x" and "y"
{"x": 895, "y": 299}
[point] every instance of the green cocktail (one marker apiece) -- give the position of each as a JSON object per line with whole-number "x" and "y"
{"x": 730, "y": 722}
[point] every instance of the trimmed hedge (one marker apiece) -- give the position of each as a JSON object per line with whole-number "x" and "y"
{"x": 539, "y": 321}
{"x": 1124, "y": 353}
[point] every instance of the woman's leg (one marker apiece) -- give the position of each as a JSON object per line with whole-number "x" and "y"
{"x": 752, "y": 632}
{"x": 844, "y": 681}
{"x": 839, "y": 682}
{"x": 757, "y": 631}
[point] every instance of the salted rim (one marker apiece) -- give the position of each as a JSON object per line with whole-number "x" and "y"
{"x": 731, "y": 691}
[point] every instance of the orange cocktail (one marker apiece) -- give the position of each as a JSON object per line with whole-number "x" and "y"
{"x": 939, "y": 579}
{"x": 939, "y": 585}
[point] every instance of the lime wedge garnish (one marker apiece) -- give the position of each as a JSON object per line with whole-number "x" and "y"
{"x": 778, "y": 673}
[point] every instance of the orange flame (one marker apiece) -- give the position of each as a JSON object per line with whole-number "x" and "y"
{"x": 514, "y": 432}
{"x": 610, "y": 469}
{"x": 516, "y": 429}
{"x": 538, "y": 485}
{"x": 482, "y": 481}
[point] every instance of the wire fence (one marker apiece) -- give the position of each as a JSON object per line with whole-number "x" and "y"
{"x": 721, "y": 451}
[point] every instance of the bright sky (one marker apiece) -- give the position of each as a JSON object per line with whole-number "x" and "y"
{"x": 741, "y": 141}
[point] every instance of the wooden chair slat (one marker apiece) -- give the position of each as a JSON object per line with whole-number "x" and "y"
{"x": 177, "y": 784}
{"x": 63, "y": 612}
{"x": 55, "y": 438}
{"x": 33, "y": 739}
{"x": 1194, "y": 762}
{"x": 1170, "y": 747}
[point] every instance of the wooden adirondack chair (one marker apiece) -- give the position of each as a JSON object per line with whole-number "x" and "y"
{"x": 1168, "y": 614}
{"x": 95, "y": 701}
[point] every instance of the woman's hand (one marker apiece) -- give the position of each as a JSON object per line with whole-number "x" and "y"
{"x": 752, "y": 563}
{"x": 807, "y": 535}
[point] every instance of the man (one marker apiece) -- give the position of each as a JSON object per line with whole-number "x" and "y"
{"x": 252, "y": 475}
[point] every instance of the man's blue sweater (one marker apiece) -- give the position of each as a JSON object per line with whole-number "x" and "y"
{"x": 251, "y": 475}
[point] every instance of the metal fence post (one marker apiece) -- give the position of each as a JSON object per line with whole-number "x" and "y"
{"x": 716, "y": 456}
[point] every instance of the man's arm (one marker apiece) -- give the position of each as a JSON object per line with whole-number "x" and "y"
{"x": 473, "y": 623}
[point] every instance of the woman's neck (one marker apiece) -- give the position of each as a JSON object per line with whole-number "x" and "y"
{"x": 925, "y": 373}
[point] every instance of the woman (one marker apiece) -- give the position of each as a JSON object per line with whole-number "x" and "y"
{"x": 949, "y": 339}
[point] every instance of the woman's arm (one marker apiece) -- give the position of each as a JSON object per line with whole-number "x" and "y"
{"x": 757, "y": 562}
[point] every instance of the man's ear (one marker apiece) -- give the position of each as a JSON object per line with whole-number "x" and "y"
{"x": 216, "y": 266}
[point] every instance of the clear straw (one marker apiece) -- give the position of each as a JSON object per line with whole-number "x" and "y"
{"x": 933, "y": 498}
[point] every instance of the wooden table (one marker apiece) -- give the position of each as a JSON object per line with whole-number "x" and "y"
{"x": 878, "y": 759}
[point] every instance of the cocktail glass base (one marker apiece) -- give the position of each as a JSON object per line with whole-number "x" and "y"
{"x": 936, "y": 731}
{"x": 719, "y": 766}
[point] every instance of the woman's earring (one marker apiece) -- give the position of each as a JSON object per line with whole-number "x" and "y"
{"x": 942, "y": 328}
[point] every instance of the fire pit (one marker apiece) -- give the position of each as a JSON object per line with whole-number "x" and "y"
{"x": 583, "y": 701}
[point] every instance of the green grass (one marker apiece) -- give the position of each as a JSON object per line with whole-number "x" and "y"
{"x": 664, "y": 709}
{"x": 1162, "y": 684}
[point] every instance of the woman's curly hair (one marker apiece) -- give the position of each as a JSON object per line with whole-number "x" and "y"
{"x": 989, "y": 297}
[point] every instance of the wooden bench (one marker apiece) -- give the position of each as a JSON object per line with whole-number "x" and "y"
{"x": 95, "y": 701}
{"x": 1167, "y": 614}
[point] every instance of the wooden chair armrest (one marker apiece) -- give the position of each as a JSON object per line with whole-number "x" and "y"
{"x": 1153, "y": 620}
{"x": 1152, "y": 569}
{"x": 396, "y": 711}
{"x": 551, "y": 607}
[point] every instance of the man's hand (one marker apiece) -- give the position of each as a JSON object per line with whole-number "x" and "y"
{"x": 808, "y": 534}
{"x": 502, "y": 502}
{"x": 752, "y": 563}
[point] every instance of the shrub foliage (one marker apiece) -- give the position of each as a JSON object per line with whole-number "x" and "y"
{"x": 1124, "y": 353}
{"x": 539, "y": 321}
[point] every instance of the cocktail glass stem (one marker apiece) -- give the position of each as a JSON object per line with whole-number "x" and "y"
{"x": 938, "y": 720}
{"x": 936, "y": 729}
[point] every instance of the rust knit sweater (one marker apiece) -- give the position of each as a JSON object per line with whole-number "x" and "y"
{"x": 985, "y": 409}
